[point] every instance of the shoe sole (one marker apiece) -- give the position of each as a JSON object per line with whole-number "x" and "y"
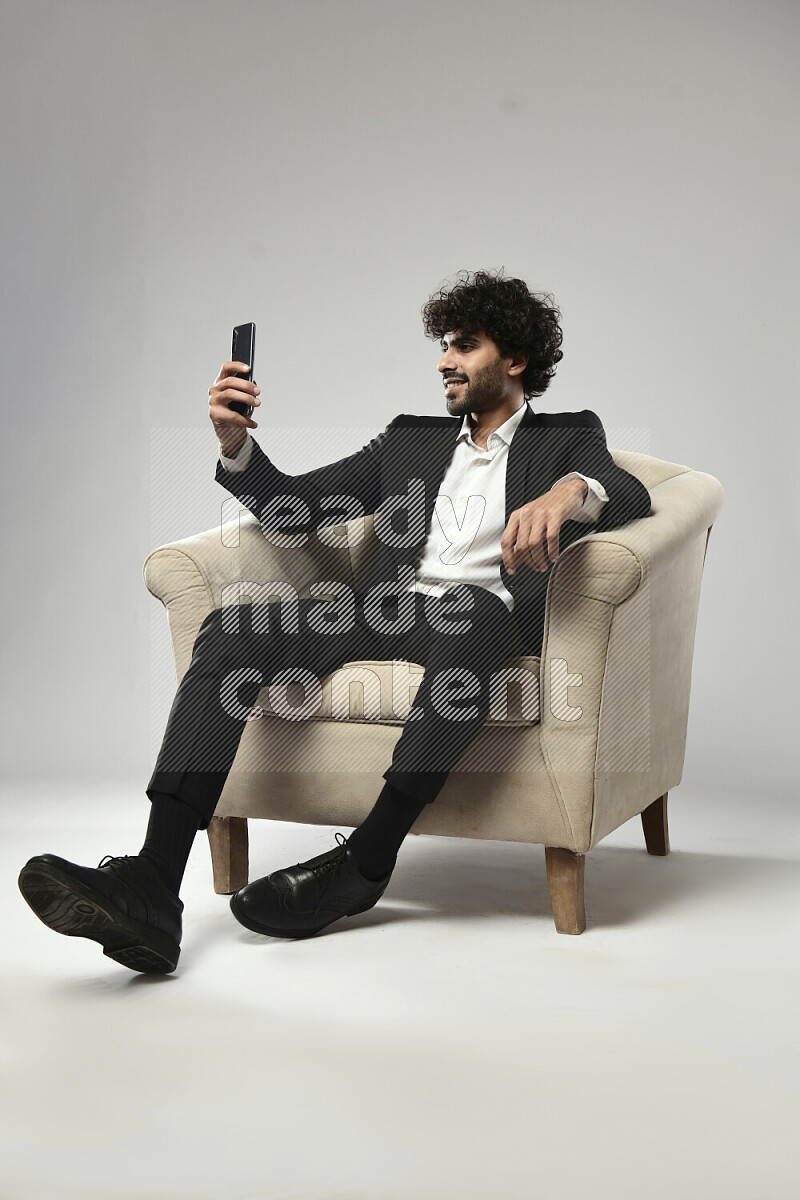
{"x": 67, "y": 906}
{"x": 256, "y": 927}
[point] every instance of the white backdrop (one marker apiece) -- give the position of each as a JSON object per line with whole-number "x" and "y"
{"x": 172, "y": 169}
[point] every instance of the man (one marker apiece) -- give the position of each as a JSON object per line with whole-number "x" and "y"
{"x": 492, "y": 494}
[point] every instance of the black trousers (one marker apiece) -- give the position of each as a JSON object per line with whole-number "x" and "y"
{"x": 240, "y": 649}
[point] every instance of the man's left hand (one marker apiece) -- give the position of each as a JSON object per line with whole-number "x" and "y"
{"x": 539, "y": 522}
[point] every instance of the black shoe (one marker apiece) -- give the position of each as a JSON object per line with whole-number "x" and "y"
{"x": 300, "y": 900}
{"x": 122, "y": 903}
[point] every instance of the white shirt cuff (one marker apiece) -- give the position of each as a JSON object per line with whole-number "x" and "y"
{"x": 596, "y": 497}
{"x": 242, "y": 458}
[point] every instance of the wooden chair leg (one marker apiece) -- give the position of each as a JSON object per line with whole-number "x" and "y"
{"x": 565, "y": 881}
{"x": 227, "y": 837}
{"x": 654, "y": 823}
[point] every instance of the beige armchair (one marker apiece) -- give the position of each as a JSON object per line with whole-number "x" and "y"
{"x": 576, "y": 743}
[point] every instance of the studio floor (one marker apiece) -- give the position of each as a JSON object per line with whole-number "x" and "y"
{"x": 446, "y": 1045}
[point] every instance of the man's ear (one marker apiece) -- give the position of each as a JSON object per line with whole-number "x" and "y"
{"x": 518, "y": 364}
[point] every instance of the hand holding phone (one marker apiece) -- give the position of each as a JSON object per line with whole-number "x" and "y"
{"x": 233, "y": 395}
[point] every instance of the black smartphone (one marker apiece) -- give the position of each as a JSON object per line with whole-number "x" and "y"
{"x": 243, "y": 349}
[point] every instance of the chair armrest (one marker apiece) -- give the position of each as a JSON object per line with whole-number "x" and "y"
{"x": 617, "y": 652}
{"x": 610, "y": 566}
{"x": 195, "y": 575}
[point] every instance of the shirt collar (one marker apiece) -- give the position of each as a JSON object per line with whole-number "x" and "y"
{"x": 505, "y": 432}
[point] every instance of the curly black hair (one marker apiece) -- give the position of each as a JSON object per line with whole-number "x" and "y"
{"x": 518, "y": 321}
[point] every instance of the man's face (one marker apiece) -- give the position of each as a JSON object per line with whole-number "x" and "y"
{"x": 480, "y": 376}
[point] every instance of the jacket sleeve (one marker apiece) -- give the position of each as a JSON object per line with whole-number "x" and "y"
{"x": 628, "y": 498}
{"x": 329, "y": 495}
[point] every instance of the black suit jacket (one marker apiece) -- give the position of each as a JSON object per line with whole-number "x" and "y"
{"x": 544, "y": 447}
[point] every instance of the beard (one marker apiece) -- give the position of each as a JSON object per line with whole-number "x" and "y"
{"x": 482, "y": 393}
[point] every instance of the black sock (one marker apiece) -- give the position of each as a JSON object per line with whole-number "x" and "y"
{"x": 378, "y": 838}
{"x": 170, "y": 833}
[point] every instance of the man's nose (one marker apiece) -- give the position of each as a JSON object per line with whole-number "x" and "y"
{"x": 446, "y": 362}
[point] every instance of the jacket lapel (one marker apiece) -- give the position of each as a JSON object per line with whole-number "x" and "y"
{"x": 520, "y": 461}
{"x": 438, "y": 450}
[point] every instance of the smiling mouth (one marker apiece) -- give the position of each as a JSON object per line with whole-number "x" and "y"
{"x": 451, "y": 383}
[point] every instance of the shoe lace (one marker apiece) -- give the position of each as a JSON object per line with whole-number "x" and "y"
{"x": 331, "y": 867}
{"x": 115, "y": 858}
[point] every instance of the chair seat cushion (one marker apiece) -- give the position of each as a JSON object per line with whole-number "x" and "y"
{"x": 382, "y": 692}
